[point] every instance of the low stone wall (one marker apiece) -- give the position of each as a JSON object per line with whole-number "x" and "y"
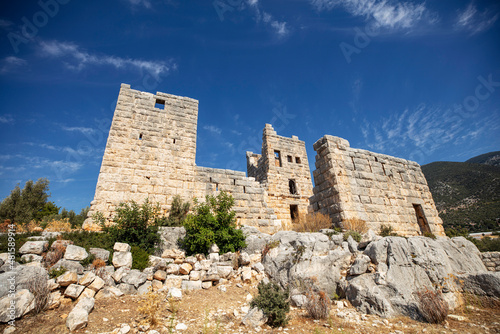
{"x": 491, "y": 260}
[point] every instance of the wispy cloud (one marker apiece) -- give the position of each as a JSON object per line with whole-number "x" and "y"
{"x": 144, "y": 3}
{"x": 383, "y": 13}
{"x": 86, "y": 151}
{"x": 9, "y": 64}
{"x": 78, "y": 59}
{"x": 83, "y": 130}
{"x": 419, "y": 131}
{"x": 7, "y": 119}
{"x": 280, "y": 28}
{"x": 212, "y": 129}
{"x": 472, "y": 20}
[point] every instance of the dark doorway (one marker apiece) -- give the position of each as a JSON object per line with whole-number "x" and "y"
{"x": 277, "y": 159}
{"x": 422, "y": 221}
{"x": 294, "y": 212}
{"x": 293, "y": 187}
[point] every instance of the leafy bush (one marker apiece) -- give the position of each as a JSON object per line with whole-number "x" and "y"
{"x": 23, "y": 206}
{"x": 273, "y": 301}
{"x": 312, "y": 222}
{"x": 88, "y": 261}
{"x": 429, "y": 235}
{"x": 56, "y": 272}
{"x": 88, "y": 239}
{"x": 487, "y": 244}
{"x": 178, "y": 213}
{"x": 355, "y": 235}
{"x": 354, "y": 224}
{"x": 212, "y": 222}
{"x": 136, "y": 225}
{"x": 387, "y": 231}
{"x": 432, "y": 306}
{"x": 140, "y": 258}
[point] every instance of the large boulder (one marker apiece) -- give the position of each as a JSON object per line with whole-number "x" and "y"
{"x": 254, "y": 239}
{"x": 122, "y": 259}
{"x": 34, "y": 247}
{"x": 297, "y": 257}
{"x": 20, "y": 278}
{"x": 135, "y": 277}
{"x": 75, "y": 253}
{"x": 14, "y": 308}
{"x": 100, "y": 253}
{"x": 79, "y": 316}
{"x": 170, "y": 236}
{"x": 69, "y": 265}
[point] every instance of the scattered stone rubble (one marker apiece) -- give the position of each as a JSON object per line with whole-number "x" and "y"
{"x": 378, "y": 276}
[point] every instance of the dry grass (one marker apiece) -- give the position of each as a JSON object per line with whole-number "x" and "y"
{"x": 355, "y": 224}
{"x": 39, "y": 288}
{"x": 54, "y": 255}
{"x": 318, "y": 304}
{"x": 432, "y": 306}
{"x": 98, "y": 267}
{"x": 32, "y": 226}
{"x": 312, "y": 222}
{"x": 62, "y": 225}
{"x": 150, "y": 306}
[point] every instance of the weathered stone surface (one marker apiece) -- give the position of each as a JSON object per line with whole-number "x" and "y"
{"x": 174, "y": 293}
{"x": 185, "y": 269}
{"x": 69, "y": 265}
{"x": 157, "y": 285}
{"x": 87, "y": 279}
{"x": 224, "y": 271}
{"x": 379, "y": 189}
{"x": 75, "y": 253}
{"x": 135, "y": 277}
{"x": 34, "y": 247}
{"x": 482, "y": 284}
{"x": 213, "y": 249}
{"x": 173, "y": 269}
{"x": 254, "y": 318}
{"x": 120, "y": 273}
{"x": 121, "y": 247}
{"x": 127, "y": 289}
{"x": 360, "y": 265}
{"x": 60, "y": 244}
{"x": 31, "y": 258}
{"x": 68, "y": 278}
{"x": 244, "y": 259}
{"x": 87, "y": 293}
{"x": 170, "y": 236}
{"x": 97, "y": 284}
{"x": 54, "y": 300}
{"x": 100, "y": 253}
{"x": 109, "y": 291}
{"x": 160, "y": 275}
{"x": 21, "y": 276}
{"x": 73, "y": 291}
{"x": 79, "y": 316}
{"x": 52, "y": 285}
{"x": 145, "y": 288}
{"x": 195, "y": 275}
{"x": 191, "y": 285}
{"x": 122, "y": 259}
{"x": 299, "y": 300}
{"x": 22, "y": 304}
{"x": 173, "y": 254}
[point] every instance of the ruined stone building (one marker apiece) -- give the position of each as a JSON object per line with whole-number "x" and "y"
{"x": 151, "y": 152}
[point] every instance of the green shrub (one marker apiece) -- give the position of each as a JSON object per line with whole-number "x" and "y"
{"x": 273, "y": 301}
{"x": 56, "y": 272}
{"x": 88, "y": 260}
{"x": 212, "y": 222}
{"x": 429, "y": 235}
{"x": 355, "y": 235}
{"x": 487, "y": 244}
{"x": 87, "y": 239}
{"x": 140, "y": 258}
{"x": 178, "y": 213}
{"x": 136, "y": 225}
{"x": 387, "y": 231}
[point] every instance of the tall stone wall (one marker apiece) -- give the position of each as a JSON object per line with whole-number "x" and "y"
{"x": 283, "y": 170}
{"x": 379, "y": 189}
{"x": 151, "y": 152}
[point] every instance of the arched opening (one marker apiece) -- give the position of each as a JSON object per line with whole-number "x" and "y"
{"x": 292, "y": 187}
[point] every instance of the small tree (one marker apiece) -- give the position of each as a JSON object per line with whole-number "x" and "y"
{"x": 136, "y": 225}
{"x": 178, "y": 212}
{"x": 213, "y": 222}
{"x": 274, "y": 303}
{"x": 22, "y": 206}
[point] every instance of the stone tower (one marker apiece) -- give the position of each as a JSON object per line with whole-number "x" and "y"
{"x": 283, "y": 170}
{"x": 379, "y": 189}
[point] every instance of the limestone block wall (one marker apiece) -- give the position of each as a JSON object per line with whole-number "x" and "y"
{"x": 379, "y": 189}
{"x": 283, "y": 170}
{"x": 491, "y": 260}
{"x": 250, "y": 198}
{"x": 151, "y": 152}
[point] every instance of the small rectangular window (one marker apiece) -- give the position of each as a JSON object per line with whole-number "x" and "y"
{"x": 289, "y": 158}
{"x": 277, "y": 158}
{"x": 160, "y": 104}
{"x": 297, "y": 160}
{"x": 140, "y": 136}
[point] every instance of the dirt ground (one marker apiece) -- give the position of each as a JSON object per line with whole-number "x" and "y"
{"x": 214, "y": 311}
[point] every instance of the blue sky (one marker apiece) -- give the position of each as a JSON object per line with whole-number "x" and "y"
{"x": 414, "y": 79}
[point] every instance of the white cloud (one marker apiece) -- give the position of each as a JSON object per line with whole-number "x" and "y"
{"x": 83, "y": 130}
{"x": 474, "y": 21}
{"x": 280, "y": 28}
{"x": 7, "y": 119}
{"x": 383, "y": 13}
{"x": 11, "y": 63}
{"x": 212, "y": 129}
{"x": 79, "y": 59}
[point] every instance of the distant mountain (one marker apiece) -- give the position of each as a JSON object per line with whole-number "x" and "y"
{"x": 492, "y": 159}
{"x": 467, "y": 194}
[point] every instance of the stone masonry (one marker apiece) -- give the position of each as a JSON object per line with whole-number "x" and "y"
{"x": 283, "y": 170}
{"x": 151, "y": 152}
{"x": 379, "y": 189}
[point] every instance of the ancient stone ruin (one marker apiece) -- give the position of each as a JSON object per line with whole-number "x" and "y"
{"x": 151, "y": 151}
